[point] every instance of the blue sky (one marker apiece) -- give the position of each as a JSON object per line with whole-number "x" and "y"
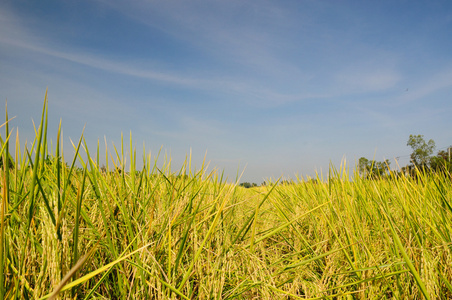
{"x": 281, "y": 87}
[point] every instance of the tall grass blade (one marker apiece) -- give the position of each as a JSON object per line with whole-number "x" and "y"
{"x": 39, "y": 147}
{"x": 97, "y": 271}
{"x": 406, "y": 258}
{"x": 201, "y": 247}
{"x": 71, "y": 273}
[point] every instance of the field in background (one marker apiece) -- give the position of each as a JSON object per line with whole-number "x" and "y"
{"x": 158, "y": 234}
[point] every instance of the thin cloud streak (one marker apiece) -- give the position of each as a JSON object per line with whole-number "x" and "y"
{"x": 106, "y": 65}
{"x": 264, "y": 97}
{"x": 254, "y": 94}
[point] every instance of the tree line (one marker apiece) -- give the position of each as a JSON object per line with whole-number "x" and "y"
{"x": 421, "y": 159}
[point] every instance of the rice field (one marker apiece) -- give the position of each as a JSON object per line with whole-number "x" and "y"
{"x": 71, "y": 232}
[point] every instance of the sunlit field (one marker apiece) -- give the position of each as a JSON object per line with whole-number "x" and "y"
{"x": 73, "y": 229}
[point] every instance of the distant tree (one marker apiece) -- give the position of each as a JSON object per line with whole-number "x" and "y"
{"x": 248, "y": 185}
{"x": 442, "y": 160}
{"x": 422, "y": 150}
{"x": 372, "y": 169}
{"x": 363, "y": 166}
{"x": 446, "y": 155}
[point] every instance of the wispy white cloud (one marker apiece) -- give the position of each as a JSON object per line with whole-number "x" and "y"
{"x": 264, "y": 96}
{"x": 368, "y": 80}
{"x": 249, "y": 47}
{"x": 101, "y": 63}
{"x": 262, "y": 77}
{"x": 258, "y": 44}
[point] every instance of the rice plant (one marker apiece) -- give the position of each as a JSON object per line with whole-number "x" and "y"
{"x": 71, "y": 229}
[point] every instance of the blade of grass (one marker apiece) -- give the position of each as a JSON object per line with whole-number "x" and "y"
{"x": 62, "y": 206}
{"x": 95, "y": 186}
{"x": 44, "y": 197}
{"x": 281, "y": 227}
{"x": 183, "y": 245}
{"x": 245, "y": 228}
{"x": 77, "y": 218}
{"x": 166, "y": 284}
{"x": 36, "y": 165}
{"x": 2, "y": 239}
{"x": 58, "y": 166}
{"x": 304, "y": 262}
{"x": 405, "y": 256}
{"x": 201, "y": 247}
{"x": 95, "y": 272}
{"x": 71, "y": 273}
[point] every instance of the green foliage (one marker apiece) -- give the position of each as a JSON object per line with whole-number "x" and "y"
{"x": 442, "y": 161}
{"x": 373, "y": 169}
{"x": 422, "y": 159}
{"x": 422, "y": 150}
{"x": 248, "y": 185}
